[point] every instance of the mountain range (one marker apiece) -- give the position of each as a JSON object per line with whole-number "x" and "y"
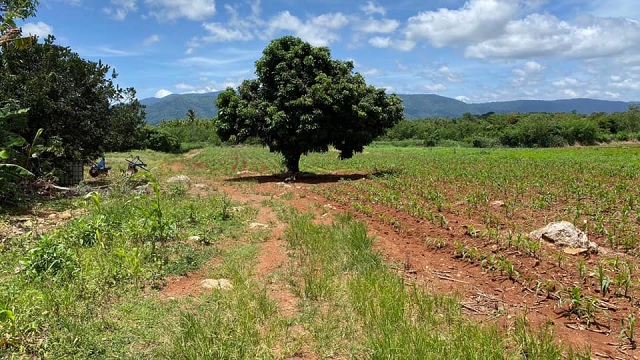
{"x": 416, "y": 106}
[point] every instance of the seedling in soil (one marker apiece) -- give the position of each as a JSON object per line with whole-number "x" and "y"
{"x": 582, "y": 270}
{"x": 604, "y": 280}
{"x": 437, "y": 243}
{"x": 628, "y": 330}
{"x": 560, "y": 257}
{"x": 583, "y": 307}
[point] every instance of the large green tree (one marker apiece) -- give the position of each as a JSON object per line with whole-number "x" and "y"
{"x": 304, "y": 101}
{"x": 74, "y": 100}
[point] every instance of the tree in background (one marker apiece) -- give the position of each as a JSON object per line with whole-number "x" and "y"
{"x": 191, "y": 116}
{"x": 303, "y": 101}
{"x": 126, "y": 123}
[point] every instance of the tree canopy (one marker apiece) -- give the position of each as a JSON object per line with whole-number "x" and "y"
{"x": 74, "y": 100}
{"x": 304, "y": 101}
{"x": 10, "y": 10}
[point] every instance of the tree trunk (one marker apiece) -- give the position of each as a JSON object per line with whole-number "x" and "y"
{"x": 292, "y": 161}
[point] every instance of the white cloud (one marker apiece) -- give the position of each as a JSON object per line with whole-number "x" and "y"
{"x": 449, "y": 74}
{"x": 440, "y": 75}
{"x": 372, "y": 8}
{"x": 236, "y": 28}
{"x": 544, "y": 35}
{"x": 631, "y": 84}
{"x": 105, "y": 51}
{"x": 564, "y": 82}
{"x": 377, "y": 26}
{"x": 162, "y": 93}
{"x": 371, "y": 72}
{"x": 463, "y": 98}
{"x": 152, "y": 39}
{"x": 319, "y": 30}
{"x": 39, "y": 29}
{"x": 120, "y": 9}
{"x": 175, "y": 9}
{"x": 477, "y": 20}
{"x": 530, "y": 74}
{"x": 380, "y": 42}
{"x": 219, "y": 33}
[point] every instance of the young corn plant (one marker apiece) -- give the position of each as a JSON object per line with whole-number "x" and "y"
{"x": 158, "y": 227}
{"x": 582, "y": 270}
{"x": 604, "y": 280}
{"x": 628, "y": 330}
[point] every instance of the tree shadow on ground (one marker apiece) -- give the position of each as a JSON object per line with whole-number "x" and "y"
{"x": 309, "y": 178}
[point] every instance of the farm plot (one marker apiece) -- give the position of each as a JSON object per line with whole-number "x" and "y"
{"x": 475, "y": 209}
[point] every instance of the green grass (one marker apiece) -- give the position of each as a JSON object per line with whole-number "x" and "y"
{"x": 383, "y": 316}
{"x": 89, "y": 287}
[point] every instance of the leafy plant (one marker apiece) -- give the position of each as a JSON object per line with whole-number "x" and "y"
{"x": 49, "y": 258}
{"x": 155, "y": 223}
{"x": 628, "y": 326}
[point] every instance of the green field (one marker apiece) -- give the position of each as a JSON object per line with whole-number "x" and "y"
{"x": 88, "y": 276}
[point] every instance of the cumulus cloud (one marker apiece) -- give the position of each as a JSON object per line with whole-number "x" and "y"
{"x": 372, "y": 8}
{"x": 120, "y": 9}
{"x": 219, "y": 32}
{"x": 449, "y": 74}
{"x": 530, "y": 73}
{"x": 175, "y": 9}
{"x": 152, "y": 39}
{"x": 544, "y": 35}
{"x": 380, "y": 42}
{"x": 442, "y": 74}
{"x": 39, "y": 29}
{"x": 477, "y": 20}
{"x": 320, "y": 30}
{"x": 236, "y": 28}
{"x": 377, "y": 26}
{"x": 162, "y": 93}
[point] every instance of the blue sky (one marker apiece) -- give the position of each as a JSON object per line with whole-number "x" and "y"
{"x": 474, "y": 51}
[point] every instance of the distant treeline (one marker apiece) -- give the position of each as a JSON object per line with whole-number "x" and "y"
{"x": 520, "y": 130}
{"x": 488, "y": 130}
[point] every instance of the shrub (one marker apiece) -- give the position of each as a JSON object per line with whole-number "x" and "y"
{"x": 159, "y": 140}
{"x": 49, "y": 258}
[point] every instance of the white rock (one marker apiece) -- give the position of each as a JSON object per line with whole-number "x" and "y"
{"x": 258, "y": 225}
{"x": 179, "y": 178}
{"x": 218, "y": 284}
{"x": 564, "y": 234}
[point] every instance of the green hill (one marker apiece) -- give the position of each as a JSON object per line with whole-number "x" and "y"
{"x": 416, "y": 106}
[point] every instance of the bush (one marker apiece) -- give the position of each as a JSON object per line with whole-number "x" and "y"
{"x": 49, "y": 258}
{"x": 485, "y": 142}
{"x": 159, "y": 140}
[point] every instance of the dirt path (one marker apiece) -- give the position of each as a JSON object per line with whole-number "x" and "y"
{"x": 484, "y": 295}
